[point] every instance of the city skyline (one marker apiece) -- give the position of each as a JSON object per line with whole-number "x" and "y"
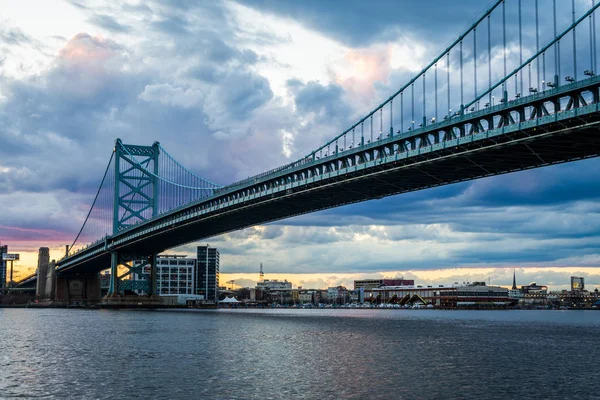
{"x": 244, "y": 100}
{"x": 556, "y": 279}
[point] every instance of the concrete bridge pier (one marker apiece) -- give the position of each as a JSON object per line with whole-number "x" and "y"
{"x": 45, "y": 288}
{"x": 78, "y": 289}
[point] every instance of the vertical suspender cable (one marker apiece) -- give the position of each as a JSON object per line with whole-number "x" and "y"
{"x": 595, "y": 69}
{"x": 521, "y": 46}
{"x": 380, "y": 123}
{"x": 574, "y": 41}
{"x": 424, "y": 108}
{"x": 504, "y": 40}
{"x": 448, "y": 81}
{"x": 436, "y": 93}
{"x": 461, "y": 76}
{"x": 543, "y": 70}
{"x": 557, "y": 48}
{"x": 489, "y": 57}
{"x": 401, "y": 111}
{"x": 591, "y": 46}
{"x": 412, "y": 94}
{"x": 391, "y": 116}
{"x": 537, "y": 45}
{"x": 475, "y": 63}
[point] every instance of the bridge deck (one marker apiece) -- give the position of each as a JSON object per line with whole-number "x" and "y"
{"x": 484, "y": 154}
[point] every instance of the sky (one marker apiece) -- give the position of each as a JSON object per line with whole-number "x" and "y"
{"x": 234, "y": 88}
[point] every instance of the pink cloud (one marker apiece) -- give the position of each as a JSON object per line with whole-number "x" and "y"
{"x": 39, "y": 237}
{"x": 362, "y": 68}
{"x": 86, "y": 49}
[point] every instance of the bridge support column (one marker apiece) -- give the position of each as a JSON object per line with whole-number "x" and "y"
{"x": 78, "y": 289}
{"x": 50, "y": 292}
{"x": 114, "y": 273}
{"x": 140, "y": 288}
{"x": 152, "y": 277}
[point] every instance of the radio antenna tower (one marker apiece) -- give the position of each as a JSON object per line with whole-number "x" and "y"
{"x": 261, "y": 273}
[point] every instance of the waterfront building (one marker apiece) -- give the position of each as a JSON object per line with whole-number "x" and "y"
{"x": 479, "y": 294}
{"x": 534, "y": 288}
{"x": 337, "y": 295}
{"x": 356, "y": 296}
{"x": 476, "y": 294}
{"x": 207, "y": 277}
{"x": 307, "y": 296}
{"x": 374, "y": 283}
{"x": 515, "y": 294}
{"x": 274, "y": 284}
{"x": 181, "y": 299}
{"x": 3, "y": 250}
{"x": 441, "y": 296}
{"x": 577, "y": 284}
{"x": 175, "y": 275}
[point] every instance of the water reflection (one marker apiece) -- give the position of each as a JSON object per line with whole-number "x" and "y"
{"x": 252, "y": 354}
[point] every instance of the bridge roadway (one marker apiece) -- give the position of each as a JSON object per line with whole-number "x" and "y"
{"x": 551, "y": 127}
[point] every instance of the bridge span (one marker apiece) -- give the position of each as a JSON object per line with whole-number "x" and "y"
{"x": 155, "y": 209}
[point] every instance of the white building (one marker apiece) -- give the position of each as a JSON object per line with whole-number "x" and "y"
{"x": 175, "y": 275}
{"x": 274, "y": 285}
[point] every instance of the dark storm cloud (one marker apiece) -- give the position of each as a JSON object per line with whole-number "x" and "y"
{"x": 359, "y": 23}
{"x": 246, "y": 92}
{"x": 326, "y": 101}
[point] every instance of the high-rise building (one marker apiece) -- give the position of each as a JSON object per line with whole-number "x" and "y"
{"x": 3, "y": 249}
{"x": 207, "y": 277}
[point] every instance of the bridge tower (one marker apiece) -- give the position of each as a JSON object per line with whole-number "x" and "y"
{"x": 136, "y": 194}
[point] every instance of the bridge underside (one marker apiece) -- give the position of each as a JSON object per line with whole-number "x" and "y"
{"x": 564, "y": 141}
{"x": 519, "y": 151}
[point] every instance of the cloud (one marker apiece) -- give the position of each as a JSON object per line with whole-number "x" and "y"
{"x": 109, "y": 23}
{"x": 325, "y": 102}
{"x": 232, "y": 89}
{"x": 172, "y": 96}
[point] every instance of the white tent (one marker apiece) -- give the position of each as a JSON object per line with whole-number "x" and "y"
{"x": 229, "y": 300}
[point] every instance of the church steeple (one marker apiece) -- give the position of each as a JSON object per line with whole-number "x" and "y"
{"x": 514, "y": 287}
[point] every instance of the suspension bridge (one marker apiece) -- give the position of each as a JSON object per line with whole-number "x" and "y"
{"x": 503, "y": 96}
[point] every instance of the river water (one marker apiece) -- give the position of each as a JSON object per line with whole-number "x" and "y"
{"x": 295, "y": 354}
